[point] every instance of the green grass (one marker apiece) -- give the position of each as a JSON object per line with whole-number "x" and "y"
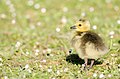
{"x": 36, "y": 32}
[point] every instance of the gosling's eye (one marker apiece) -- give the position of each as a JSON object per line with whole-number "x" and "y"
{"x": 80, "y": 25}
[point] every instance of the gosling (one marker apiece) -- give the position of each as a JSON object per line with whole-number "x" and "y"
{"x": 87, "y": 44}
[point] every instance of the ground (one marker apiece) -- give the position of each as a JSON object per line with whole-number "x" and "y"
{"x": 35, "y": 38}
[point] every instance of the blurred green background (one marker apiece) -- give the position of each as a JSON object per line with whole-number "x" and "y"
{"x": 35, "y": 38}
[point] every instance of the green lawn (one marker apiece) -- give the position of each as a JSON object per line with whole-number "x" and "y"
{"x": 35, "y": 38}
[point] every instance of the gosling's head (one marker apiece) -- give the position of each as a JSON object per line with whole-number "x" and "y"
{"x": 81, "y": 26}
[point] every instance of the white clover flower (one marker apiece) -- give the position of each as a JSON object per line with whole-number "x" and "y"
{"x": 58, "y": 72}
{"x": 38, "y": 23}
{"x": 27, "y": 52}
{"x": 83, "y": 14}
{"x": 1, "y": 59}
{"x": 94, "y": 75}
{"x": 37, "y": 50}
{"x": 5, "y": 77}
{"x": 30, "y": 2}
{"x": 65, "y": 9}
{"x": 118, "y": 21}
{"x": 91, "y": 9}
{"x": 111, "y": 33}
{"x": 66, "y": 69}
{"x": 49, "y": 50}
{"x": 17, "y": 45}
{"x": 109, "y": 75}
{"x": 94, "y": 27}
{"x": 57, "y": 29}
{"x": 116, "y": 8}
{"x": 101, "y": 76}
{"x": 29, "y": 71}
{"x": 36, "y": 6}
{"x": 44, "y": 61}
{"x": 49, "y": 70}
{"x": 26, "y": 66}
{"x": 64, "y": 20}
{"x": 1, "y": 64}
{"x": 3, "y": 16}
{"x": 13, "y": 21}
{"x": 40, "y": 66}
{"x": 43, "y": 10}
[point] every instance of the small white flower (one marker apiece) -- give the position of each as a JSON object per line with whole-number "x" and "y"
{"x": 13, "y": 21}
{"x": 57, "y": 29}
{"x": 94, "y": 27}
{"x": 64, "y": 20}
{"x": 3, "y": 16}
{"x": 36, "y": 6}
{"x": 91, "y": 9}
{"x": 101, "y": 76}
{"x": 49, "y": 50}
{"x": 40, "y": 66}
{"x": 66, "y": 69}
{"x": 44, "y": 61}
{"x": 43, "y": 10}
{"x": 1, "y": 59}
{"x": 94, "y": 75}
{"x": 58, "y": 72}
{"x": 109, "y": 75}
{"x": 116, "y": 8}
{"x": 65, "y": 9}
{"x": 5, "y": 77}
{"x": 29, "y": 71}
{"x": 53, "y": 78}
{"x": 27, "y": 52}
{"x": 26, "y": 66}
{"x": 111, "y": 33}
{"x": 36, "y": 53}
{"x": 17, "y": 44}
{"x": 83, "y": 14}
{"x": 49, "y": 70}
{"x": 1, "y": 64}
{"x": 118, "y": 21}
{"x": 30, "y": 2}
{"x": 111, "y": 36}
{"x": 38, "y": 23}
{"x": 37, "y": 50}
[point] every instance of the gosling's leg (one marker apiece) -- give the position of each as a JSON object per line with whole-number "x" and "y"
{"x": 92, "y": 62}
{"x": 86, "y": 61}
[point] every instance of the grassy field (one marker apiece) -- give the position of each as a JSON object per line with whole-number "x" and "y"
{"x": 35, "y": 38}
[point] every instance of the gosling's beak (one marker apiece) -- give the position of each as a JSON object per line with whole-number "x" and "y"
{"x": 73, "y": 27}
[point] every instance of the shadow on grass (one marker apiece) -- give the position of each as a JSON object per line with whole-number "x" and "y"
{"x": 74, "y": 59}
